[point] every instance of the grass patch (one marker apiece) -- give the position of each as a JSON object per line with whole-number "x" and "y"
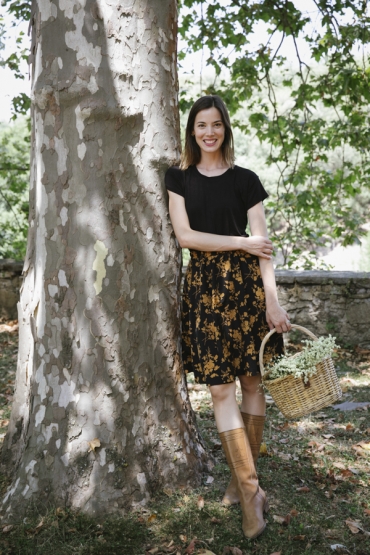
{"x": 315, "y": 473}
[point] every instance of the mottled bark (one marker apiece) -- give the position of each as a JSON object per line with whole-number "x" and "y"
{"x": 99, "y": 327}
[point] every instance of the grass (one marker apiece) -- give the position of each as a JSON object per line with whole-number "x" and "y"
{"x": 314, "y": 471}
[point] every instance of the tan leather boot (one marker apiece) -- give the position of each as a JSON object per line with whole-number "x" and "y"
{"x": 252, "y": 498}
{"x": 254, "y": 428}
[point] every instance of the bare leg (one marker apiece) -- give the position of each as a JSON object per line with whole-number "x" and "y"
{"x": 227, "y": 413}
{"x": 253, "y": 398}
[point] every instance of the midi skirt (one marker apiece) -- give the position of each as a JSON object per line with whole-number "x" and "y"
{"x": 224, "y": 317}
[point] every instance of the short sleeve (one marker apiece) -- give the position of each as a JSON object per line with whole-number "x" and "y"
{"x": 174, "y": 181}
{"x": 252, "y": 190}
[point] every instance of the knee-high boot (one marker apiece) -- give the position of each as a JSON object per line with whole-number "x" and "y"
{"x": 252, "y": 498}
{"x": 254, "y": 428}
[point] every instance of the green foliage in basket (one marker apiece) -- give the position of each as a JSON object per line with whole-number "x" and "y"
{"x": 302, "y": 365}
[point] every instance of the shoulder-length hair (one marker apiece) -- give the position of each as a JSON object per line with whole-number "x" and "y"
{"x": 191, "y": 154}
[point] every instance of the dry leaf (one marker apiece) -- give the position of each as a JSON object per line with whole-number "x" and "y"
{"x": 232, "y": 551}
{"x": 183, "y": 538}
{"x": 263, "y": 449}
{"x": 294, "y": 512}
{"x": 276, "y": 553}
{"x": 200, "y": 502}
{"x": 153, "y": 551}
{"x": 206, "y": 552}
{"x": 209, "y": 480}
{"x": 170, "y": 544}
{"x": 39, "y": 526}
{"x": 151, "y": 518}
{"x": 364, "y": 445}
{"x": 7, "y": 528}
{"x": 300, "y": 537}
{"x": 303, "y": 489}
{"x": 354, "y": 526}
{"x": 328, "y": 436}
{"x": 349, "y": 427}
{"x": 215, "y": 520}
{"x": 367, "y": 512}
{"x": 284, "y": 520}
{"x": 93, "y": 444}
{"x": 339, "y": 465}
{"x": 191, "y": 547}
{"x": 284, "y": 440}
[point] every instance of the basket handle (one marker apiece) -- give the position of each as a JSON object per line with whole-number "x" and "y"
{"x": 295, "y": 326}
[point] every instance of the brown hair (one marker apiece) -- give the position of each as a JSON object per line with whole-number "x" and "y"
{"x": 191, "y": 154}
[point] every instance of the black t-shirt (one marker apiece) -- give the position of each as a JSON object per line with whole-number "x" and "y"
{"x": 217, "y": 204}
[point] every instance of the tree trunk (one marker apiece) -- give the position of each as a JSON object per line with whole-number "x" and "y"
{"x": 101, "y": 416}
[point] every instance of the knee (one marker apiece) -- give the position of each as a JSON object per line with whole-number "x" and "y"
{"x": 250, "y": 385}
{"x": 221, "y": 393}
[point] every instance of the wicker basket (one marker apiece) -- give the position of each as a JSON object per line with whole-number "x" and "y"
{"x": 292, "y": 396}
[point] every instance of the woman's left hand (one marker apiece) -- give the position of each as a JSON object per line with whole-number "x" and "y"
{"x": 278, "y": 318}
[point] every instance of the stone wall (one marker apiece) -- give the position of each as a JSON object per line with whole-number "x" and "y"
{"x": 328, "y": 302}
{"x": 324, "y": 302}
{"x": 10, "y": 283}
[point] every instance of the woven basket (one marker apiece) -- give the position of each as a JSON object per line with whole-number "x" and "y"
{"x": 292, "y": 396}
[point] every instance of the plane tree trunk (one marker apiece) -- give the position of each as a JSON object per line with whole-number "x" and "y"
{"x": 101, "y": 417}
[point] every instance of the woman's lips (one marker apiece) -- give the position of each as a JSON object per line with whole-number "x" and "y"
{"x": 210, "y": 142}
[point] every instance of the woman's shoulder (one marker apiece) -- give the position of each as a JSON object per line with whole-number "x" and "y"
{"x": 245, "y": 173}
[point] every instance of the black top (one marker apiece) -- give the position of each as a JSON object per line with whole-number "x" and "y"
{"x": 217, "y": 204}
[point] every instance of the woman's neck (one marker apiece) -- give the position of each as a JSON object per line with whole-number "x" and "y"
{"x": 212, "y": 162}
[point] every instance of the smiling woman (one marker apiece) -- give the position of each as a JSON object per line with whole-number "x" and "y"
{"x": 229, "y": 298}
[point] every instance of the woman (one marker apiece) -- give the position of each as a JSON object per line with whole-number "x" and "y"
{"x": 229, "y": 299}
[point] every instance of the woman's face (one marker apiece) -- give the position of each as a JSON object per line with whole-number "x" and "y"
{"x": 209, "y": 130}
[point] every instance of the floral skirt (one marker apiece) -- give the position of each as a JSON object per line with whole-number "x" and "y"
{"x": 224, "y": 318}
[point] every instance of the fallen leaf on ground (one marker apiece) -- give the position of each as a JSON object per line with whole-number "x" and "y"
{"x": 191, "y": 547}
{"x": 284, "y": 520}
{"x": 303, "y": 489}
{"x": 183, "y": 538}
{"x": 215, "y": 520}
{"x": 232, "y": 551}
{"x": 207, "y": 552}
{"x": 39, "y": 526}
{"x": 200, "y": 502}
{"x": 284, "y": 440}
{"x": 338, "y": 547}
{"x": 294, "y": 512}
{"x": 354, "y": 526}
{"x": 153, "y": 551}
{"x": 367, "y": 512}
{"x": 364, "y": 445}
{"x": 328, "y": 436}
{"x": 300, "y": 537}
{"x": 7, "y": 528}
{"x": 276, "y": 553}
{"x": 339, "y": 465}
{"x": 209, "y": 480}
{"x": 349, "y": 427}
{"x": 263, "y": 449}
{"x": 93, "y": 444}
{"x": 151, "y": 518}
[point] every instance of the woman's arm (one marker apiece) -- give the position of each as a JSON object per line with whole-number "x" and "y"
{"x": 276, "y": 316}
{"x": 188, "y": 238}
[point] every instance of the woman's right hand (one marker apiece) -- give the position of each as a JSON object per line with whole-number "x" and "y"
{"x": 259, "y": 246}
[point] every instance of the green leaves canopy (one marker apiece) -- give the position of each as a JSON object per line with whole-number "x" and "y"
{"x": 318, "y": 135}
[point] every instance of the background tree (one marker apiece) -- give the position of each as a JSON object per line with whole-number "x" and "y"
{"x": 14, "y": 185}
{"x": 317, "y": 137}
{"x": 101, "y": 416}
